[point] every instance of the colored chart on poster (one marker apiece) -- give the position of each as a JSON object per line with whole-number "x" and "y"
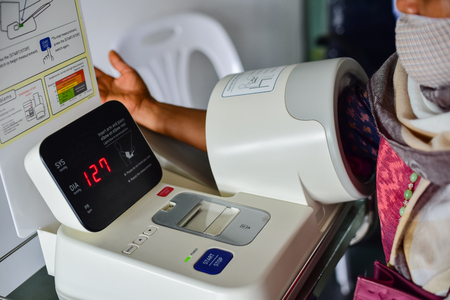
{"x": 71, "y": 86}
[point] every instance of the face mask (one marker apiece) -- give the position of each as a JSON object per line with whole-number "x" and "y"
{"x": 423, "y": 47}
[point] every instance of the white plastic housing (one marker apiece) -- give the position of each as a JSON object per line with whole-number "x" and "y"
{"x": 93, "y": 266}
{"x": 49, "y": 190}
{"x": 277, "y": 142}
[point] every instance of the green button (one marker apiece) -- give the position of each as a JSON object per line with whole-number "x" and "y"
{"x": 402, "y": 210}
{"x": 413, "y": 177}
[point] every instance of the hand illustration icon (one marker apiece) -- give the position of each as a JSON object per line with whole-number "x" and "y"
{"x": 49, "y": 56}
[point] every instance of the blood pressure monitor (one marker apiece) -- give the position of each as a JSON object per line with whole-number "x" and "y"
{"x": 260, "y": 239}
{"x": 95, "y": 168}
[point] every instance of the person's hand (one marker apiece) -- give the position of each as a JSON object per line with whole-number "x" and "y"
{"x": 129, "y": 88}
{"x": 181, "y": 123}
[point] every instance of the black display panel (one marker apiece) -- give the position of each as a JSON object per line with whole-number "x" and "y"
{"x": 102, "y": 164}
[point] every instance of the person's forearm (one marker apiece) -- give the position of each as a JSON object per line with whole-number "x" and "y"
{"x": 181, "y": 123}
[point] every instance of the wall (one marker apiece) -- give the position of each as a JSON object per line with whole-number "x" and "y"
{"x": 19, "y": 257}
{"x": 266, "y": 33}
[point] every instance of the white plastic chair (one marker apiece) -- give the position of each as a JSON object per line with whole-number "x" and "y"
{"x": 160, "y": 52}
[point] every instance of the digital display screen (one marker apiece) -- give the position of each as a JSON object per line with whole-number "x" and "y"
{"x": 102, "y": 164}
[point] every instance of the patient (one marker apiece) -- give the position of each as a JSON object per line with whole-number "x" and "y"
{"x": 401, "y": 120}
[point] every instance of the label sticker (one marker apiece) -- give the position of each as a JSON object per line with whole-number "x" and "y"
{"x": 252, "y": 82}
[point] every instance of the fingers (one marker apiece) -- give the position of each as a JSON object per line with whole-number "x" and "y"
{"x": 98, "y": 72}
{"x": 118, "y": 63}
{"x": 103, "y": 93}
{"x": 103, "y": 82}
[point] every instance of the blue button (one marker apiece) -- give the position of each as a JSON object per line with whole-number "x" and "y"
{"x": 213, "y": 261}
{"x": 45, "y": 44}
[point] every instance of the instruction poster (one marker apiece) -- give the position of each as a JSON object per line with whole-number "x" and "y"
{"x": 44, "y": 65}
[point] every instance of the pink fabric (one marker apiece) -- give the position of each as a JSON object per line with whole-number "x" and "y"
{"x": 387, "y": 284}
{"x": 393, "y": 177}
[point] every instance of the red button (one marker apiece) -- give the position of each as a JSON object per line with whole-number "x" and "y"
{"x": 165, "y": 191}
